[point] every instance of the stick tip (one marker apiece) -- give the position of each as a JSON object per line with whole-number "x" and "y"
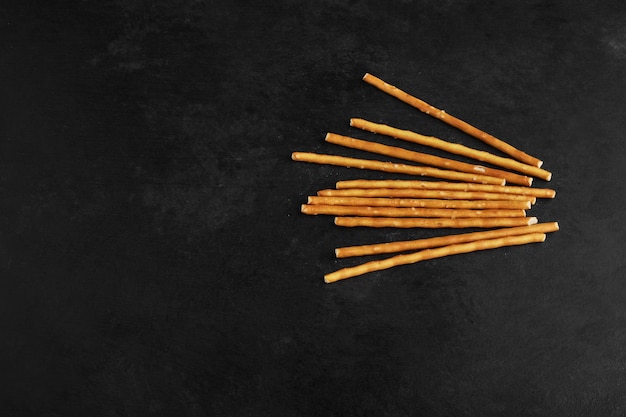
{"x": 327, "y": 136}
{"x": 556, "y": 226}
{"x": 294, "y": 156}
{"x": 367, "y": 74}
{"x": 335, "y": 276}
{"x": 532, "y": 220}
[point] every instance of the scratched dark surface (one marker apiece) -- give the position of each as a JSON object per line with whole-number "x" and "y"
{"x": 153, "y": 260}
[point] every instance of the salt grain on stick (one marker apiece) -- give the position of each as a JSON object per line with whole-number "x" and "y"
{"x": 452, "y": 121}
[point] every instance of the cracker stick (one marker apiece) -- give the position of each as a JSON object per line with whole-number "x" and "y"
{"x": 433, "y": 242}
{"x": 417, "y": 193}
{"x": 393, "y": 167}
{"x": 426, "y": 159}
{"x": 426, "y": 254}
{"x": 334, "y": 210}
{"x": 434, "y": 223}
{"x": 452, "y": 121}
{"x": 416, "y": 202}
{"x": 444, "y": 185}
{"x": 454, "y": 148}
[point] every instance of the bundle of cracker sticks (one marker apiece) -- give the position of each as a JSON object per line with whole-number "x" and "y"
{"x": 459, "y": 195}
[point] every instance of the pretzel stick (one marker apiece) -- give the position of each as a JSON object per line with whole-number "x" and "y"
{"x": 432, "y": 254}
{"x": 434, "y": 223}
{"x": 433, "y": 242}
{"x": 443, "y": 185}
{"x": 415, "y": 202}
{"x": 452, "y": 121}
{"x": 416, "y": 193}
{"x": 334, "y": 210}
{"x": 396, "y": 168}
{"x": 426, "y": 159}
{"x": 454, "y": 148}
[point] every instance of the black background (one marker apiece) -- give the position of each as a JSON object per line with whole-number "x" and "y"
{"x": 153, "y": 260}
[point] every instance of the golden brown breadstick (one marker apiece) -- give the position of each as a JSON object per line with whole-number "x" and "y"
{"x": 433, "y": 242}
{"x": 415, "y": 202}
{"x": 426, "y": 159}
{"x": 334, "y": 210}
{"x": 392, "y": 167}
{"x": 426, "y": 254}
{"x": 452, "y": 121}
{"x": 417, "y": 193}
{"x": 444, "y": 185}
{"x": 454, "y": 148}
{"x": 433, "y": 223}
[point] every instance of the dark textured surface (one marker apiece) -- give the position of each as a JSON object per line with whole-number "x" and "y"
{"x": 153, "y": 260}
